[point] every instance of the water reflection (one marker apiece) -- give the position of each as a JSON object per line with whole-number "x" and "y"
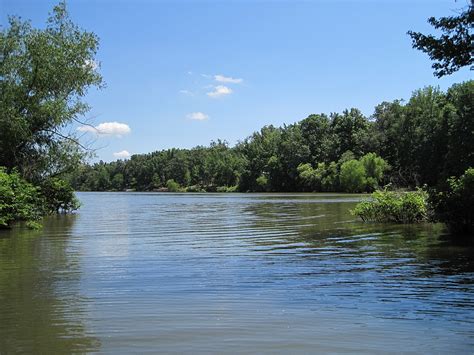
{"x": 321, "y": 228}
{"x": 41, "y": 307}
{"x": 408, "y": 272}
{"x": 232, "y": 273}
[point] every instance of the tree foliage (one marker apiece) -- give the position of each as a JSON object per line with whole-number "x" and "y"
{"x": 453, "y": 49}
{"x": 353, "y": 176}
{"x": 19, "y": 200}
{"x": 45, "y": 74}
{"x": 348, "y": 174}
{"x": 58, "y": 196}
{"x": 454, "y": 204}
{"x": 423, "y": 141}
{"x": 173, "y": 186}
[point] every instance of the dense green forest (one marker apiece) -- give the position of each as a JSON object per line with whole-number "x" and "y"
{"x": 422, "y": 141}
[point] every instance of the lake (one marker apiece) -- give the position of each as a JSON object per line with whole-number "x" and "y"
{"x": 232, "y": 273}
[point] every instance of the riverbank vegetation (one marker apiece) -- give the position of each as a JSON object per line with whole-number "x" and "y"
{"x": 394, "y": 207}
{"x": 453, "y": 203}
{"x": 45, "y": 74}
{"x": 19, "y": 200}
{"x": 23, "y": 201}
{"x": 426, "y": 140}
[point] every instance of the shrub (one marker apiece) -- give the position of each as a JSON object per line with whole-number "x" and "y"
{"x": 262, "y": 183}
{"x": 227, "y": 188}
{"x": 118, "y": 182}
{"x": 455, "y": 205}
{"x": 307, "y": 175}
{"x": 394, "y": 207}
{"x": 375, "y": 167}
{"x": 330, "y": 180}
{"x": 234, "y": 188}
{"x": 194, "y": 188}
{"x": 58, "y": 196}
{"x": 353, "y": 176}
{"x": 173, "y": 186}
{"x": 19, "y": 200}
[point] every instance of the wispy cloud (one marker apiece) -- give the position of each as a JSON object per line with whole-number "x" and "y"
{"x": 227, "y": 79}
{"x": 107, "y": 129}
{"x": 122, "y": 155}
{"x": 197, "y": 116}
{"x": 186, "y": 92}
{"x": 219, "y": 91}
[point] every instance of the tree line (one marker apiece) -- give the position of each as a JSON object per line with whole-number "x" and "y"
{"x": 422, "y": 141}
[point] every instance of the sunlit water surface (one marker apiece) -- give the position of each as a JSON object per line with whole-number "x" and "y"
{"x": 232, "y": 273}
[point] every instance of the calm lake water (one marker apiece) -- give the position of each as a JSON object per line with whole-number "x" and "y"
{"x": 232, "y": 273}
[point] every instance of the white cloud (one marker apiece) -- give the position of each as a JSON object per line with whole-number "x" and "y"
{"x": 219, "y": 90}
{"x": 197, "y": 116}
{"x": 186, "y": 92}
{"x": 107, "y": 129}
{"x": 227, "y": 79}
{"x": 122, "y": 155}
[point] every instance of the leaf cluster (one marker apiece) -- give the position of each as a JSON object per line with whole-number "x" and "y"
{"x": 394, "y": 207}
{"x": 454, "y": 204}
{"x": 44, "y": 74}
{"x": 454, "y": 48}
{"x": 19, "y": 200}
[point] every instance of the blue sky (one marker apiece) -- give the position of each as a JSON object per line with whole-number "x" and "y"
{"x": 183, "y": 73}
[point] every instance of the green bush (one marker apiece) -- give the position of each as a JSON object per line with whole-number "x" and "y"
{"x": 308, "y": 177}
{"x": 173, "y": 186}
{"x": 227, "y": 188}
{"x": 394, "y": 207}
{"x": 194, "y": 188}
{"x": 262, "y": 183}
{"x": 455, "y": 205}
{"x": 59, "y": 196}
{"x": 375, "y": 167}
{"x": 19, "y": 200}
{"x": 360, "y": 175}
{"x": 234, "y": 188}
{"x": 352, "y": 176}
{"x": 221, "y": 189}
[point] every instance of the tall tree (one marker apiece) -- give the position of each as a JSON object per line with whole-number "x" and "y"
{"x": 44, "y": 74}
